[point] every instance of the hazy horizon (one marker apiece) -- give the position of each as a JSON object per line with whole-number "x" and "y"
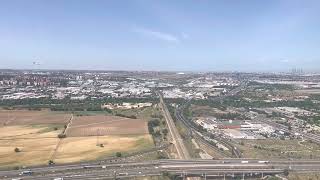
{"x": 141, "y": 35}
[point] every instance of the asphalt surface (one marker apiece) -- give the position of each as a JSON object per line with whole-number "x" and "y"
{"x": 190, "y": 168}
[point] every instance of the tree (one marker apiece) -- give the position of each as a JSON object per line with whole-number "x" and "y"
{"x": 62, "y": 136}
{"x": 165, "y": 132}
{"x": 118, "y": 154}
{"x": 157, "y": 134}
{"x": 17, "y": 150}
{"x": 50, "y": 162}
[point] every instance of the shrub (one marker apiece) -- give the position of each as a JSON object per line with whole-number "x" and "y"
{"x": 62, "y": 136}
{"x": 50, "y": 162}
{"x": 118, "y": 154}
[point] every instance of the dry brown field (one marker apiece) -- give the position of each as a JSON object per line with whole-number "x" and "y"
{"x": 75, "y": 149}
{"x": 36, "y": 148}
{"x": 33, "y": 132}
{"x": 106, "y": 125}
{"x": 24, "y": 117}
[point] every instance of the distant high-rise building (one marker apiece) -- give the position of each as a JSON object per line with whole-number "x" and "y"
{"x": 296, "y": 71}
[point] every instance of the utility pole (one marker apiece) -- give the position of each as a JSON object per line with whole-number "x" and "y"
{"x": 115, "y": 174}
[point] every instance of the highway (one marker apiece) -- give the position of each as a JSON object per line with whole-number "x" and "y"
{"x": 176, "y": 138}
{"x": 188, "y": 168}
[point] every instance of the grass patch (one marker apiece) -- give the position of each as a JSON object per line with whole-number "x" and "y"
{"x": 90, "y": 113}
{"x": 144, "y": 143}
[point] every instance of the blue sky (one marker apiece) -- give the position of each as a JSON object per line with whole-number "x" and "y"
{"x": 197, "y": 35}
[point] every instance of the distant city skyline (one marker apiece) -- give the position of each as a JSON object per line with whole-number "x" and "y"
{"x": 166, "y": 35}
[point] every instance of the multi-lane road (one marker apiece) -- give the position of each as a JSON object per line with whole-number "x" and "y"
{"x": 188, "y": 168}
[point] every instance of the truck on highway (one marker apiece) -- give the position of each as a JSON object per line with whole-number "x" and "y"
{"x": 263, "y": 162}
{"x": 59, "y": 178}
{"x": 89, "y": 167}
{"x": 244, "y": 162}
{"x": 123, "y": 174}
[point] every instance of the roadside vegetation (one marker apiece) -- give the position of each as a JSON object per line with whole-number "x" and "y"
{"x": 184, "y": 133}
{"x": 158, "y": 128}
{"x": 67, "y": 104}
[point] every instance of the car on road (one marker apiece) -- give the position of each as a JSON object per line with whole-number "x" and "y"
{"x": 123, "y": 174}
{"x": 58, "y": 178}
{"x": 263, "y": 162}
{"x": 28, "y": 172}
